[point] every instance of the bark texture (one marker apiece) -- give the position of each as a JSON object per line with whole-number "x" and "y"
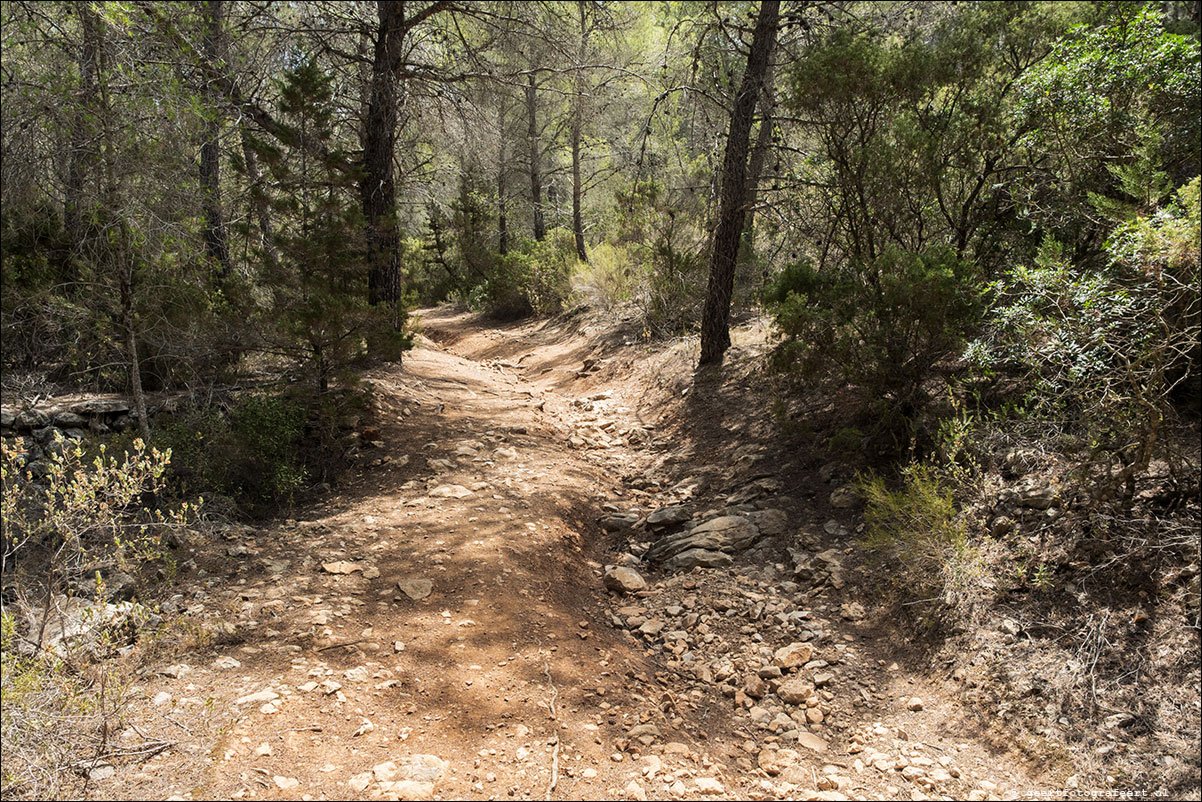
{"x": 732, "y": 210}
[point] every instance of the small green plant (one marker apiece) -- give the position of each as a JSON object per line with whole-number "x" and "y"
{"x": 917, "y": 531}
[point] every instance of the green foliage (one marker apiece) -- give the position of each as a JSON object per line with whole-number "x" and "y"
{"x": 659, "y": 228}
{"x": 1106, "y": 351}
{"x": 84, "y": 514}
{"x": 607, "y": 278}
{"x": 319, "y": 315}
{"x": 255, "y": 454}
{"x": 881, "y": 326}
{"x": 916, "y": 531}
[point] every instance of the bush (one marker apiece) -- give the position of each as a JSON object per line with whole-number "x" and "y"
{"x": 254, "y": 453}
{"x": 881, "y": 326}
{"x": 79, "y": 520}
{"x": 606, "y": 279}
{"x": 916, "y": 530}
{"x": 1104, "y": 352}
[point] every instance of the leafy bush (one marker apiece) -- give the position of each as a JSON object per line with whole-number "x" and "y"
{"x": 59, "y": 697}
{"x": 83, "y": 517}
{"x": 255, "y": 453}
{"x": 881, "y": 326}
{"x": 1104, "y": 351}
{"x": 607, "y": 278}
{"x": 917, "y": 532}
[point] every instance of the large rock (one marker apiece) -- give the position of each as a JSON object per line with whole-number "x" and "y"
{"x": 624, "y": 580}
{"x": 101, "y": 406}
{"x": 416, "y": 589}
{"x": 698, "y": 558}
{"x": 31, "y": 419}
{"x": 727, "y": 533}
{"x": 668, "y": 516}
{"x": 795, "y": 691}
{"x": 69, "y": 420}
{"x": 794, "y": 655}
{"x": 770, "y": 522}
{"x": 7, "y": 417}
{"x": 450, "y": 491}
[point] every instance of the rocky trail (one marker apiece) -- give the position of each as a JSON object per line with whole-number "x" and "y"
{"x": 449, "y": 623}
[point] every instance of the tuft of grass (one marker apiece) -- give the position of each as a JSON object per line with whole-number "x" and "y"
{"x": 917, "y": 532}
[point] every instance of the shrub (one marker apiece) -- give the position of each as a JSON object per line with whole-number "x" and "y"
{"x": 58, "y": 695}
{"x": 254, "y": 453}
{"x": 916, "y": 530}
{"x": 607, "y": 279}
{"x": 1103, "y": 352}
{"x": 881, "y": 326}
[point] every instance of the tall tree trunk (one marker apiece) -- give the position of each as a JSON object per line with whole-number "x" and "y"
{"x": 258, "y": 201}
{"x": 377, "y": 187}
{"x": 536, "y": 176}
{"x": 117, "y": 240}
{"x": 715, "y": 318}
{"x": 577, "y": 126}
{"x": 216, "y": 242}
{"x": 502, "y": 223}
{"x": 83, "y": 156}
{"x": 755, "y": 167}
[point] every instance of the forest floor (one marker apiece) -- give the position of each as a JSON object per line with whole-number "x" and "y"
{"x": 500, "y": 666}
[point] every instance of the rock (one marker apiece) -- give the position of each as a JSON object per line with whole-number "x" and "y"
{"x": 161, "y": 698}
{"x": 668, "y": 516}
{"x": 416, "y": 589}
{"x": 811, "y": 741}
{"x": 341, "y": 567}
{"x": 844, "y": 497}
{"x": 286, "y": 783}
{"x": 257, "y": 698}
{"x": 914, "y": 703}
{"x": 101, "y": 406}
{"x": 1001, "y": 526}
{"x": 727, "y": 533}
{"x": 795, "y": 690}
{"x": 780, "y": 761}
{"x": 122, "y": 422}
{"x": 698, "y": 558}
{"x": 360, "y": 781}
{"x": 652, "y": 628}
{"x": 792, "y": 656}
{"x": 634, "y": 791}
{"x": 69, "y": 420}
{"x": 8, "y": 417}
{"x": 450, "y": 491}
{"x": 754, "y": 687}
{"x": 175, "y": 671}
{"x": 771, "y": 522}
{"x": 226, "y": 662}
{"x": 624, "y": 579}
{"x": 852, "y": 611}
{"x": 646, "y": 734}
{"x": 31, "y": 419}
{"x": 708, "y": 785}
{"x": 101, "y": 772}
{"x": 619, "y": 521}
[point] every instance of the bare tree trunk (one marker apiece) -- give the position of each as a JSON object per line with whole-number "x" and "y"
{"x": 715, "y": 318}
{"x": 577, "y": 126}
{"x": 377, "y": 187}
{"x": 83, "y": 157}
{"x": 536, "y": 177}
{"x": 258, "y": 201}
{"x": 216, "y": 242}
{"x": 755, "y": 167}
{"x": 117, "y": 239}
{"x": 502, "y": 223}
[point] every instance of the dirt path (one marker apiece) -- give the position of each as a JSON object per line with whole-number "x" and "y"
{"x": 439, "y": 628}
